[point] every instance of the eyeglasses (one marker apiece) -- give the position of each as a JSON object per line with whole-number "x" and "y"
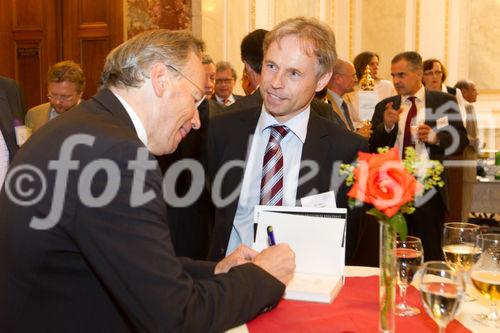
{"x": 223, "y": 81}
{"x": 62, "y": 98}
{"x": 433, "y": 73}
{"x": 197, "y": 102}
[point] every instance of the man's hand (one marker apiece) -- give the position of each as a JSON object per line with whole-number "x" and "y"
{"x": 391, "y": 116}
{"x": 277, "y": 260}
{"x": 242, "y": 255}
{"x": 426, "y": 134}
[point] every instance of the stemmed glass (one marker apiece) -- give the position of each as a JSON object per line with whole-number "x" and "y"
{"x": 459, "y": 247}
{"x": 409, "y": 256}
{"x": 441, "y": 290}
{"x": 485, "y": 276}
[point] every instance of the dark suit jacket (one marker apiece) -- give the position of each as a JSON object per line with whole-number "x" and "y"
{"x": 191, "y": 226}
{"x": 11, "y": 107}
{"x": 325, "y": 144}
{"x": 437, "y": 105}
{"x": 110, "y": 268}
{"x": 254, "y": 100}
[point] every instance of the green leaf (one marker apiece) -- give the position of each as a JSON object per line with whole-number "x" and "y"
{"x": 378, "y": 214}
{"x": 398, "y": 222}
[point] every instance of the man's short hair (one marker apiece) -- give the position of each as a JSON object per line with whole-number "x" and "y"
{"x": 429, "y": 63}
{"x": 128, "y": 64}
{"x": 362, "y": 60}
{"x": 412, "y": 57}
{"x": 463, "y": 84}
{"x": 206, "y": 59}
{"x": 251, "y": 49}
{"x": 317, "y": 39}
{"x": 67, "y": 70}
{"x": 224, "y": 65}
{"x": 339, "y": 67}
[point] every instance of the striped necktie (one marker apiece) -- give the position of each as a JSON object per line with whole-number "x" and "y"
{"x": 271, "y": 186}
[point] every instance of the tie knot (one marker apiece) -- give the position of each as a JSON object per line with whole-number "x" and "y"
{"x": 279, "y": 132}
{"x": 412, "y": 99}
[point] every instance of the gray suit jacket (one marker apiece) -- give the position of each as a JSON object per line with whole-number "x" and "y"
{"x": 37, "y": 116}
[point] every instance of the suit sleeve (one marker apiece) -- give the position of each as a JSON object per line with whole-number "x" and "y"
{"x": 380, "y": 137}
{"x": 130, "y": 251}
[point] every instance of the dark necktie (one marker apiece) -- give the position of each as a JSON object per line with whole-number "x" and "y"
{"x": 412, "y": 113}
{"x": 347, "y": 116}
{"x": 271, "y": 186}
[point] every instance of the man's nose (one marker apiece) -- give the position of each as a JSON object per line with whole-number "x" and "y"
{"x": 195, "y": 121}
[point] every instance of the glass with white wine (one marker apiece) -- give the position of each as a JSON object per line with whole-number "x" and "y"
{"x": 485, "y": 276}
{"x": 441, "y": 290}
{"x": 409, "y": 258}
{"x": 459, "y": 247}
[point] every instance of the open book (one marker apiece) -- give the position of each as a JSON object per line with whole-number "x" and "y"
{"x": 317, "y": 236}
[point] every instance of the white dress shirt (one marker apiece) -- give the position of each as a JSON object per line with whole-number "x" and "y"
{"x": 291, "y": 147}
{"x": 139, "y": 127}
{"x": 4, "y": 158}
{"x": 406, "y": 104}
{"x": 383, "y": 88}
{"x": 460, "y": 101}
{"x": 230, "y": 99}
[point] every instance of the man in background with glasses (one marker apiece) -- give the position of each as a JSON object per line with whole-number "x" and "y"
{"x": 65, "y": 86}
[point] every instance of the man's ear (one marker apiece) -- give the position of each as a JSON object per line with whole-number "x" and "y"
{"x": 323, "y": 80}
{"x": 159, "y": 78}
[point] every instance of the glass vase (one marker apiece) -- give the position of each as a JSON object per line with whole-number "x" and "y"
{"x": 387, "y": 279}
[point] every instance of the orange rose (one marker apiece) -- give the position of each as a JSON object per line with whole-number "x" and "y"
{"x": 383, "y": 181}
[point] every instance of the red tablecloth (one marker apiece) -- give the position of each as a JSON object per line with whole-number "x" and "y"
{"x": 355, "y": 309}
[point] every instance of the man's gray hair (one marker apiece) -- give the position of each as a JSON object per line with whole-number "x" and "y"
{"x": 128, "y": 64}
{"x": 223, "y": 65}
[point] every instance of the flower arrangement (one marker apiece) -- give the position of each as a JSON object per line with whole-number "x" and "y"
{"x": 391, "y": 186}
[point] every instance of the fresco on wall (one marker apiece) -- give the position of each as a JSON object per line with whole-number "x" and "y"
{"x": 145, "y": 15}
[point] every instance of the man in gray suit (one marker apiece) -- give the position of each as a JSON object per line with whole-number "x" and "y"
{"x": 65, "y": 85}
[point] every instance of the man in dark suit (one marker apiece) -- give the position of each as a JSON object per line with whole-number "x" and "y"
{"x": 11, "y": 110}
{"x": 93, "y": 254}
{"x": 298, "y": 56}
{"x": 438, "y": 132}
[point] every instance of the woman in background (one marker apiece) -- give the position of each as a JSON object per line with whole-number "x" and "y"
{"x": 383, "y": 88}
{"x": 435, "y": 75}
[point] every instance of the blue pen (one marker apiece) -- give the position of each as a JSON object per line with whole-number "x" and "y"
{"x": 270, "y": 236}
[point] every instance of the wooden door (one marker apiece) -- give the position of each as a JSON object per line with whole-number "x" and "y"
{"x": 90, "y": 30}
{"x": 35, "y": 34}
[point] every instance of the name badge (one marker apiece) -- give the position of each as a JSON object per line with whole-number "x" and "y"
{"x": 325, "y": 200}
{"x": 442, "y": 122}
{"x": 22, "y": 134}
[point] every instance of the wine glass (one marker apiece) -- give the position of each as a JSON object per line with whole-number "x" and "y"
{"x": 409, "y": 257}
{"x": 441, "y": 290}
{"x": 485, "y": 276}
{"x": 459, "y": 247}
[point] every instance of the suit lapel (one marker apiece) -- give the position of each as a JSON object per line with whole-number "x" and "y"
{"x": 109, "y": 101}
{"x": 315, "y": 149}
{"x": 336, "y": 109}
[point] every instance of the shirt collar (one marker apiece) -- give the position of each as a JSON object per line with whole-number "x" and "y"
{"x": 297, "y": 125}
{"x": 336, "y": 97}
{"x": 420, "y": 95}
{"x": 139, "y": 127}
{"x": 221, "y": 100}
